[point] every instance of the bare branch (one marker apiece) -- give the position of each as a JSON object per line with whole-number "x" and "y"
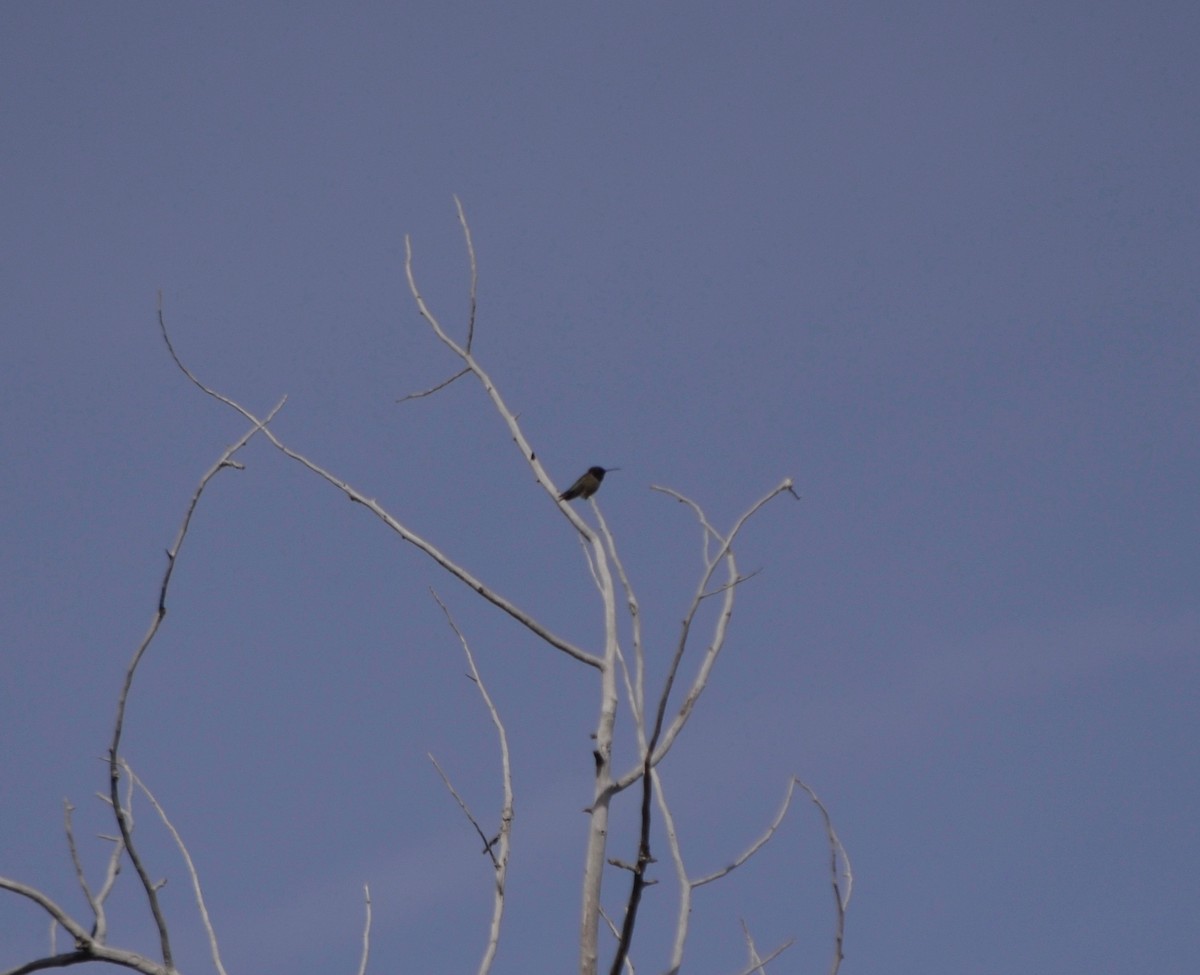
{"x": 769, "y": 958}
{"x": 79, "y": 874}
{"x": 841, "y": 898}
{"x": 522, "y": 617}
{"x": 593, "y": 870}
{"x": 225, "y": 460}
{"x": 423, "y": 308}
{"x": 617, "y": 934}
{"x": 366, "y": 938}
{"x": 717, "y": 590}
{"x": 752, "y": 950}
{"x": 50, "y": 961}
{"x": 644, "y": 859}
{"x": 110, "y": 879}
{"x": 73, "y": 927}
{"x": 214, "y": 948}
{"x": 162, "y": 325}
{"x": 498, "y": 847}
{"x": 94, "y": 951}
{"x": 685, "y": 887}
{"x": 651, "y": 751}
{"x": 462, "y": 219}
{"x": 759, "y": 843}
{"x": 87, "y": 948}
{"x": 635, "y": 688}
{"x": 434, "y": 389}
{"x": 839, "y": 866}
{"x": 757, "y": 962}
{"x": 724, "y": 553}
{"x": 462, "y": 804}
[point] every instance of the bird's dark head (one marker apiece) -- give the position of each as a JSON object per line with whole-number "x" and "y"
{"x": 599, "y": 472}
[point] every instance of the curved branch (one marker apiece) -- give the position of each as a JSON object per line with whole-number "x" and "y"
{"x": 51, "y": 961}
{"x": 114, "y": 769}
{"x": 72, "y": 927}
{"x": 214, "y": 948}
{"x": 498, "y": 846}
{"x": 462, "y": 219}
{"x": 841, "y": 898}
{"x": 434, "y": 389}
{"x": 759, "y": 843}
{"x": 94, "y": 952}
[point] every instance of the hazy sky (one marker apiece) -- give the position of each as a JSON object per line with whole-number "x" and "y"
{"x": 935, "y": 261}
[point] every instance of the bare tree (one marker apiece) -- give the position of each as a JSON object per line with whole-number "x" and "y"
{"x": 654, "y": 717}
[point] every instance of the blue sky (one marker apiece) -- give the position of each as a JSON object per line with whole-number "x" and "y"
{"x": 935, "y": 261}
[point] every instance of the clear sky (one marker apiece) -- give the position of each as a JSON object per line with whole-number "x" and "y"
{"x": 936, "y": 261}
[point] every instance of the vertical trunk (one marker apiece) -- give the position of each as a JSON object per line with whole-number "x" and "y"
{"x": 593, "y": 871}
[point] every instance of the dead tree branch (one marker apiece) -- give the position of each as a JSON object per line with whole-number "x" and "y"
{"x": 197, "y": 890}
{"x": 497, "y": 847}
{"x": 114, "y": 750}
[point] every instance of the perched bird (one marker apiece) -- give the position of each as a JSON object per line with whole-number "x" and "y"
{"x": 587, "y": 485}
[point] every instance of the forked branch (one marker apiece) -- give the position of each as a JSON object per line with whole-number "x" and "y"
{"x": 663, "y": 738}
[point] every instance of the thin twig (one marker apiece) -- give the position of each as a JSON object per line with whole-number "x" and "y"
{"x": 756, "y": 961}
{"x": 616, "y": 934}
{"x": 214, "y": 948}
{"x": 462, "y": 804}
{"x": 433, "y": 389}
{"x": 462, "y": 219}
{"x": 841, "y": 898}
{"x": 769, "y": 958}
{"x": 78, "y": 864}
{"x": 759, "y": 843}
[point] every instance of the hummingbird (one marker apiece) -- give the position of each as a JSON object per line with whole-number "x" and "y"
{"x": 587, "y": 485}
